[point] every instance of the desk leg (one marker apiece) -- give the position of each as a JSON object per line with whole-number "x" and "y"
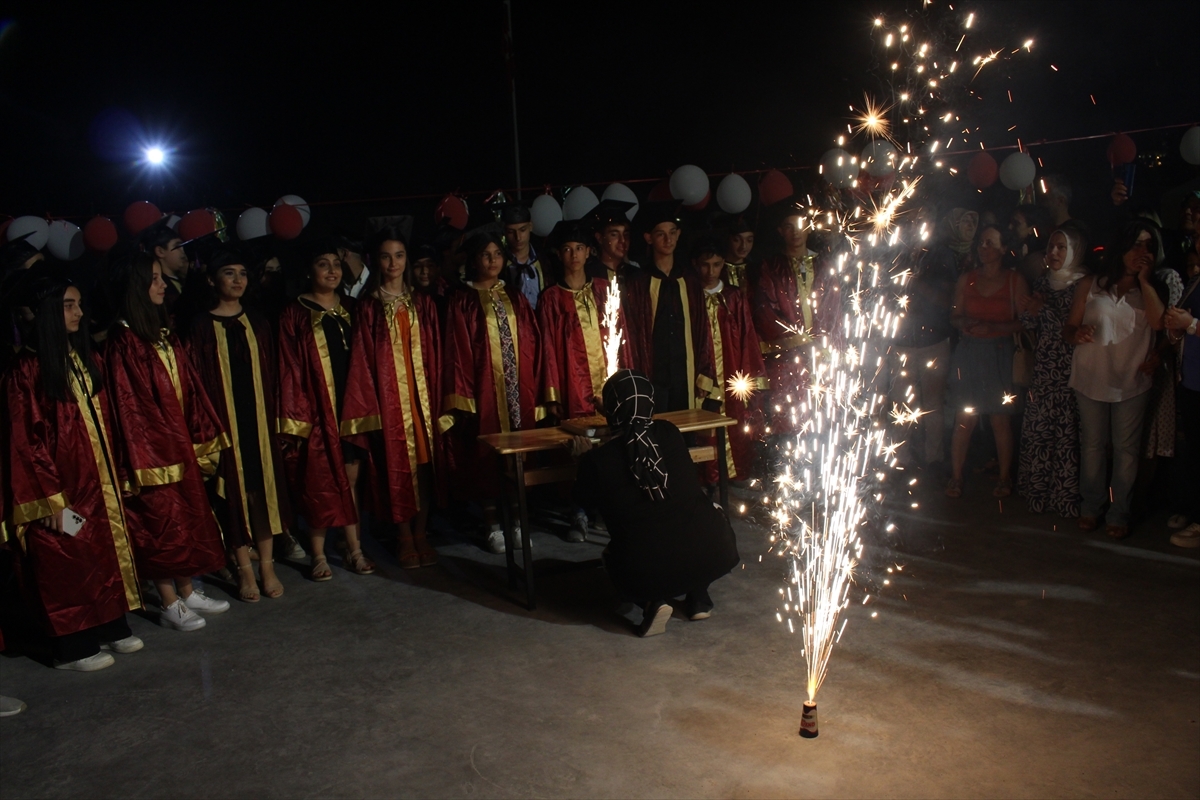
{"x": 506, "y": 521}
{"x": 523, "y": 518}
{"x": 722, "y": 469}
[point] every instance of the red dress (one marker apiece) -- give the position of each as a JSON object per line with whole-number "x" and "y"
{"x": 222, "y": 349}
{"x": 167, "y": 437}
{"x": 736, "y": 350}
{"x": 478, "y": 369}
{"x": 58, "y": 455}
{"x": 392, "y": 401}
{"x": 574, "y": 365}
{"x": 308, "y": 413}
{"x": 640, "y": 300}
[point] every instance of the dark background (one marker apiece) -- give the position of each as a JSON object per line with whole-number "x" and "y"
{"x": 336, "y": 103}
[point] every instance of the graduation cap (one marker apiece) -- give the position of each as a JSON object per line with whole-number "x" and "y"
{"x": 707, "y": 244}
{"x": 610, "y": 212}
{"x": 652, "y": 215}
{"x": 569, "y": 230}
{"x": 514, "y": 214}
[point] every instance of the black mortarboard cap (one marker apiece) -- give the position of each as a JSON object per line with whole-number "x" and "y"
{"x": 570, "y": 230}
{"x": 610, "y": 212}
{"x": 651, "y": 215}
{"x": 514, "y": 214}
{"x": 707, "y": 243}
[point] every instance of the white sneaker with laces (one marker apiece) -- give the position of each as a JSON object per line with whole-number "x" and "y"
{"x": 89, "y": 664}
{"x": 1188, "y": 537}
{"x": 200, "y": 602}
{"x": 495, "y": 540}
{"x": 180, "y": 617}
{"x": 130, "y": 644}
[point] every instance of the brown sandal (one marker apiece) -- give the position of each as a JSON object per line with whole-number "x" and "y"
{"x": 320, "y": 569}
{"x": 273, "y": 592}
{"x": 1117, "y": 531}
{"x": 245, "y": 594}
{"x": 359, "y": 564}
{"x": 1003, "y": 489}
{"x": 954, "y": 488}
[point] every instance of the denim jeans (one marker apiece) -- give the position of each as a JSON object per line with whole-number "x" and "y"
{"x": 1099, "y": 424}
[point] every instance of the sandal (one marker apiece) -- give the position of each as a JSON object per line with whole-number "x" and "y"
{"x": 954, "y": 488}
{"x": 1003, "y": 489}
{"x": 359, "y": 564}
{"x": 320, "y": 569}
{"x": 1117, "y": 531}
{"x": 1087, "y": 524}
{"x": 247, "y": 595}
{"x": 275, "y": 591}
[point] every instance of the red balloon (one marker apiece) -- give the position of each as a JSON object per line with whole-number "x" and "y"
{"x": 982, "y": 171}
{"x": 661, "y": 193}
{"x": 285, "y": 221}
{"x": 99, "y": 235}
{"x": 1121, "y": 150}
{"x": 774, "y": 186}
{"x": 452, "y": 209}
{"x": 141, "y": 215}
{"x": 700, "y": 206}
{"x": 196, "y": 224}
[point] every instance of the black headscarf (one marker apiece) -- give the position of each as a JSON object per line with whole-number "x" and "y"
{"x": 629, "y": 404}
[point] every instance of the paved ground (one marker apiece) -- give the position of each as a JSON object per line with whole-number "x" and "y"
{"x": 1008, "y": 659}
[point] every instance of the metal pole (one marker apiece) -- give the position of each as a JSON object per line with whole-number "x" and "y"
{"x": 512, "y": 88}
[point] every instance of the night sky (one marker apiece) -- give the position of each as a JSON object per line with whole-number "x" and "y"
{"x": 409, "y": 99}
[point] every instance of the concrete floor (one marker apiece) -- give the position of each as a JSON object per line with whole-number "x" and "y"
{"x": 1007, "y": 660}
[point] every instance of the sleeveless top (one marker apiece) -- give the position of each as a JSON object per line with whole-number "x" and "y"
{"x": 996, "y": 307}
{"x": 1106, "y": 369}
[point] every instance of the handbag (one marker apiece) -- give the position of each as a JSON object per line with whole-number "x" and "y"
{"x": 1022, "y": 364}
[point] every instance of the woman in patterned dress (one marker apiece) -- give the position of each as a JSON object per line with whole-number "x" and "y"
{"x": 1048, "y": 469}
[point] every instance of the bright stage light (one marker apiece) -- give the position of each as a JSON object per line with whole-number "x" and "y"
{"x": 155, "y": 156}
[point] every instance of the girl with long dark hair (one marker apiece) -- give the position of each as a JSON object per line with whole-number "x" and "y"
{"x": 169, "y": 438}
{"x": 61, "y": 502}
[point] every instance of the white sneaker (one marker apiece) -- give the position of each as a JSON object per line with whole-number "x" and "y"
{"x": 292, "y": 550}
{"x": 130, "y": 644}
{"x": 180, "y": 617}
{"x": 654, "y": 620}
{"x": 1188, "y": 537}
{"x": 495, "y": 540}
{"x": 1177, "y": 521}
{"x": 89, "y": 664}
{"x": 199, "y": 601}
{"x": 11, "y": 706}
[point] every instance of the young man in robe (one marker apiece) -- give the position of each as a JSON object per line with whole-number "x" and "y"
{"x": 525, "y": 272}
{"x": 735, "y": 352}
{"x": 667, "y": 320}
{"x": 612, "y": 236}
{"x": 738, "y": 245}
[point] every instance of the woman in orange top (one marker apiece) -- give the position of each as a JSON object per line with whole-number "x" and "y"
{"x": 985, "y": 303}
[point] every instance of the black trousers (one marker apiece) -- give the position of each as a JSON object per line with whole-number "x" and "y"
{"x": 81, "y": 644}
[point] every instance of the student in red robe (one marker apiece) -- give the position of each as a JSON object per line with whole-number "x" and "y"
{"x": 168, "y": 438}
{"x": 314, "y": 358}
{"x": 788, "y": 313}
{"x": 492, "y": 364}
{"x": 739, "y": 243}
{"x": 392, "y": 397}
{"x": 233, "y": 349}
{"x": 61, "y": 497}
{"x": 612, "y": 232}
{"x": 735, "y": 352}
{"x": 668, "y": 331}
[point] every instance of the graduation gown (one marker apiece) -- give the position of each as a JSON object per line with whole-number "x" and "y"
{"x": 574, "y": 365}
{"x": 167, "y": 437}
{"x": 736, "y": 350}
{"x": 474, "y": 381}
{"x": 58, "y": 455}
{"x": 309, "y": 411}
{"x": 685, "y": 358}
{"x": 392, "y": 398}
{"x": 222, "y": 349}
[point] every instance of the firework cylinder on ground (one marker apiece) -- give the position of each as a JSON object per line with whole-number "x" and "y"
{"x": 808, "y": 720}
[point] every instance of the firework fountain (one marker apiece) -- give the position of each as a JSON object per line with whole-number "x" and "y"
{"x": 829, "y": 485}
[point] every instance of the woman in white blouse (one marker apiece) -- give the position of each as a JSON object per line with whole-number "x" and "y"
{"x": 1111, "y": 322}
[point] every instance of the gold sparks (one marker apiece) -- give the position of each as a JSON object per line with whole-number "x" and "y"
{"x": 1009, "y": 398}
{"x": 740, "y": 386}
{"x": 872, "y": 119}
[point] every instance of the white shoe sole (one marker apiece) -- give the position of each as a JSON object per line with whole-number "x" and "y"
{"x": 89, "y": 664}
{"x": 658, "y": 625}
{"x": 218, "y": 610}
{"x": 124, "y": 649}
{"x": 195, "y": 626}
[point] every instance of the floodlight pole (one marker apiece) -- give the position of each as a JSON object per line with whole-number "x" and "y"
{"x": 509, "y": 62}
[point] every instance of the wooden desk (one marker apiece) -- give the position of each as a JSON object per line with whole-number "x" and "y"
{"x": 512, "y": 447}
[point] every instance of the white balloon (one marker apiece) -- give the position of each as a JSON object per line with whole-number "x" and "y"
{"x": 173, "y": 221}
{"x": 1189, "y": 145}
{"x": 878, "y": 158}
{"x": 65, "y": 240}
{"x": 578, "y": 202}
{"x": 1017, "y": 171}
{"x": 545, "y": 213}
{"x": 733, "y": 194}
{"x": 253, "y": 223}
{"x": 689, "y": 184}
{"x": 36, "y": 227}
{"x": 839, "y": 168}
{"x": 300, "y": 203}
{"x": 619, "y": 191}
